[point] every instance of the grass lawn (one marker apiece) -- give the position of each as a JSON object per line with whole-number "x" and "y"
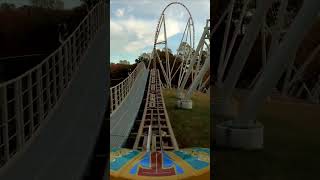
{"x": 291, "y": 140}
{"x": 291, "y": 151}
{"x": 191, "y": 127}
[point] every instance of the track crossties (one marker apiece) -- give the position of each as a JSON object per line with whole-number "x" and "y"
{"x": 155, "y": 115}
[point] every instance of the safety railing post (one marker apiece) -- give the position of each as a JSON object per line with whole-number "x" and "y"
{"x": 90, "y": 26}
{"x": 122, "y": 92}
{"x": 96, "y": 18}
{"x": 80, "y": 45}
{"x": 60, "y": 61}
{"x": 48, "y": 93}
{"x": 74, "y": 56}
{"x": 126, "y": 87}
{"x": 4, "y": 123}
{"x": 40, "y": 94}
{"x": 116, "y": 96}
{"x": 111, "y": 100}
{"x": 65, "y": 65}
{"x": 30, "y": 99}
{"x": 18, "y": 114}
{"x": 54, "y": 77}
{"x": 70, "y": 53}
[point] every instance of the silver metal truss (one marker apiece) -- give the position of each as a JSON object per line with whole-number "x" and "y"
{"x": 204, "y": 84}
{"x": 273, "y": 28}
{"x": 281, "y": 56}
{"x": 256, "y": 25}
{"x": 195, "y": 66}
{"x": 224, "y": 56}
{"x": 243, "y": 129}
{"x": 291, "y": 80}
{"x": 187, "y": 39}
{"x": 199, "y": 77}
{"x": 315, "y": 92}
{"x": 242, "y": 53}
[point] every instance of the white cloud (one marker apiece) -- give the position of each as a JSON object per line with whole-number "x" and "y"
{"x": 173, "y": 27}
{"x": 115, "y": 27}
{"x": 181, "y": 15}
{"x": 120, "y": 12}
{"x": 133, "y": 23}
{"x": 146, "y": 1}
{"x": 134, "y": 46}
{"x": 140, "y": 32}
{"x": 130, "y": 9}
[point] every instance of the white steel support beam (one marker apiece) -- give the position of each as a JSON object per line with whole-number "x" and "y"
{"x": 205, "y": 35}
{"x": 225, "y": 40}
{"x": 276, "y": 65}
{"x": 166, "y": 53}
{"x": 224, "y": 62}
{"x": 198, "y": 78}
{"x": 244, "y": 50}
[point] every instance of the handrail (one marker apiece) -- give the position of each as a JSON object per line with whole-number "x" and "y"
{"x": 120, "y": 91}
{"x": 26, "y": 100}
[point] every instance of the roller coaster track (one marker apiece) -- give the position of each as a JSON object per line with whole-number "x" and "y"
{"x": 155, "y": 132}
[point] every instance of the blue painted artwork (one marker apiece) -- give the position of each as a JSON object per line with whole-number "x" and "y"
{"x": 119, "y": 162}
{"x": 192, "y": 160}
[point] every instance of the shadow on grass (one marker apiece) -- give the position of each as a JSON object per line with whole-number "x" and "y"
{"x": 291, "y": 146}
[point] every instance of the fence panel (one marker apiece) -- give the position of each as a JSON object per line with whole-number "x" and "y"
{"x": 26, "y": 101}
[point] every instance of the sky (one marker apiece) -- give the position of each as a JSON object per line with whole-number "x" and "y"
{"x": 67, "y": 3}
{"x": 133, "y": 24}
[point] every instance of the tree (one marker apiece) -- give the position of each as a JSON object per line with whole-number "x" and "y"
{"x": 50, "y": 4}
{"x": 169, "y": 50}
{"x": 124, "y": 62}
{"x": 144, "y": 57}
{"x": 7, "y": 6}
{"x": 185, "y": 50}
{"x": 89, "y": 3}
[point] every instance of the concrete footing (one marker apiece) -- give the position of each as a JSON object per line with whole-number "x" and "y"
{"x": 180, "y": 95}
{"x": 184, "y": 103}
{"x": 250, "y": 138}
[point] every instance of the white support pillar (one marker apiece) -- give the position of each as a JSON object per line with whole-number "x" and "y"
{"x": 244, "y": 131}
{"x": 198, "y": 78}
{"x": 224, "y": 44}
{"x": 223, "y": 94}
{"x": 279, "y": 60}
{"x": 224, "y": 62}
{"x": 204, "y": 83}
{"x": 186, "y": 102}
{"x": 193, "y": 59}
{"x": 166, "y": 53}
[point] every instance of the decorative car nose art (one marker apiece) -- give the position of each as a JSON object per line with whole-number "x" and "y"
{"x": 135, "y": 164}
{"x": 156, "y": 164}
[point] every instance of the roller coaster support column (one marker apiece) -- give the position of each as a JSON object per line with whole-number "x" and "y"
{"x": 186, "y": 102}
{"x": 205, "y": 35}
{"x": 244, "y": 131}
